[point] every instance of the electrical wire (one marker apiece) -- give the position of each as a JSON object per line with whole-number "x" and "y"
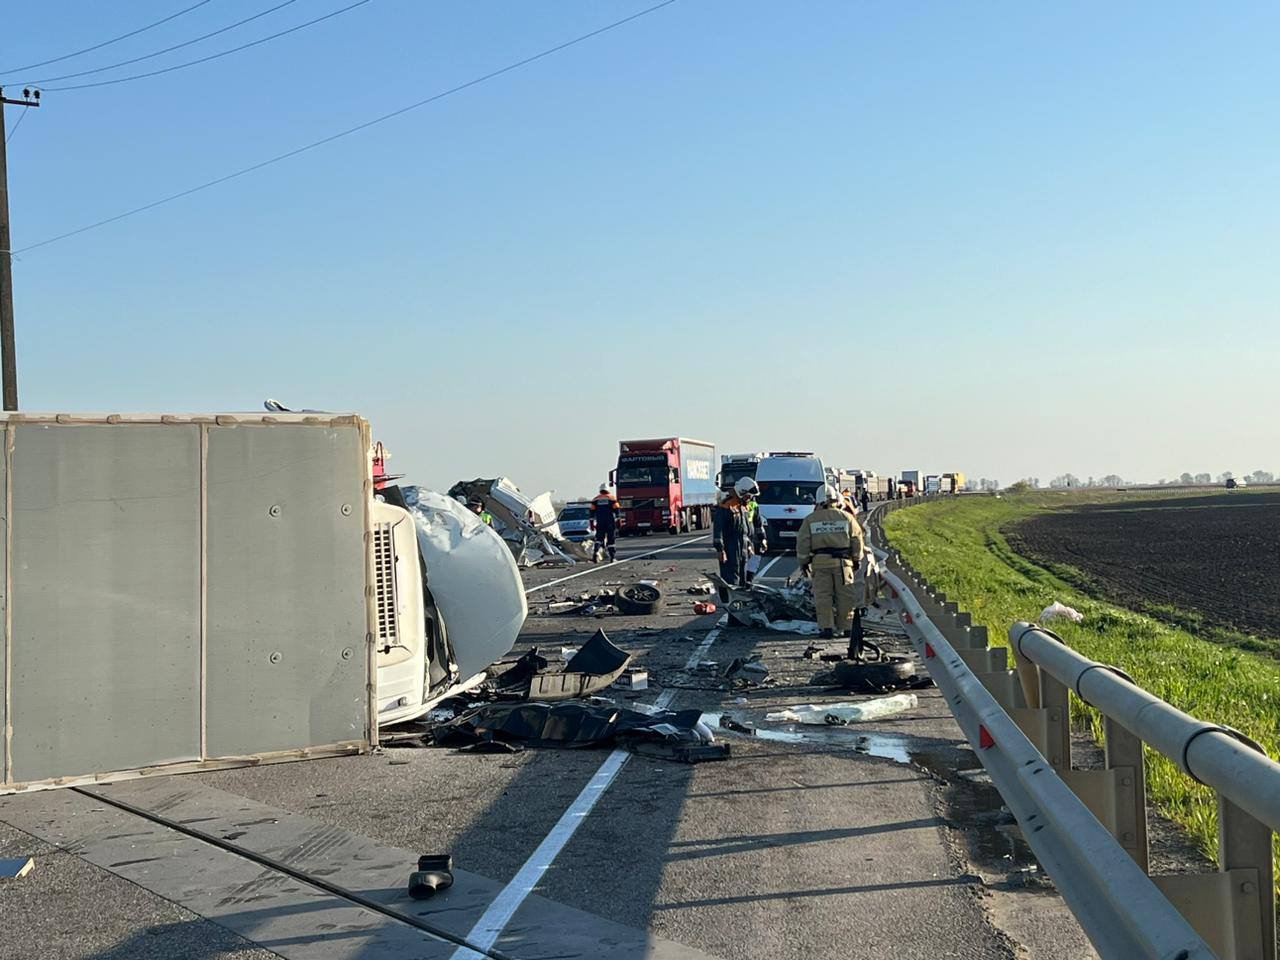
{"x": 212, "y": 56}
{"x": 107, "y": 43}
{"x": 16, "y": 125}
{"x": 158, "y": 53}
{"x": 350, "y": 130}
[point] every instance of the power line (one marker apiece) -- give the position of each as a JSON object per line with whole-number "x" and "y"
{"x": 158, "y": 53}
{"x": 107, "y": 43}
{"x": 350, "y": 130}
{"x": 16, "y": 124}
{"x": 212, "y": 56}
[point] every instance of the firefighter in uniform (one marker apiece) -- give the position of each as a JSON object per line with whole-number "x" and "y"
{"x": 604, "y": 521}
{"x": 829, "y": 546}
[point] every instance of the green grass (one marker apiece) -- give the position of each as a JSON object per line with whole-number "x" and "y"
{"x": 958, "y": 545}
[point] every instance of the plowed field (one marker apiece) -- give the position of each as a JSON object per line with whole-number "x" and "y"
{"x": 1215, "y": 556}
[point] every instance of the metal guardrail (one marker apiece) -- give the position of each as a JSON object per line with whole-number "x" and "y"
{"x": 1234, "y": 908}
{"x": 1089, "y": 827}
{"x": 1120, "y": 909}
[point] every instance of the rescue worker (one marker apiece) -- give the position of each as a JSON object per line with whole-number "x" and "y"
{"x": 604, "y": 522}
{"x": 829, "y": 547}
{"x": 736, "y": 532}
{"x": 476, "y": 506}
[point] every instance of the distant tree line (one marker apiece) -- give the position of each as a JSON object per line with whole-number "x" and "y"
{"x": 1070, "y": 480}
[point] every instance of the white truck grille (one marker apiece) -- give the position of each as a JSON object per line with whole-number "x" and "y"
{"x": 384, "y": 575}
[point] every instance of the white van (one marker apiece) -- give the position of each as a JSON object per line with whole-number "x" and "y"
{"x": 788, "y": 483}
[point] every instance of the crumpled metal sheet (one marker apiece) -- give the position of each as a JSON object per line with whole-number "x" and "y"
{"x": 527, "y": 524}
{"x": 592, "y": 669}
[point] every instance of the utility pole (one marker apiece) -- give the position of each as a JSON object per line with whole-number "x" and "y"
{"x": 8, "y": 360}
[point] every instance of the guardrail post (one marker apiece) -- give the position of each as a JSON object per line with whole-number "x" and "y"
{"x": 1244, "y": 852}
{"x": 1123, "y": 752}
{"x": 1054, "y": 696}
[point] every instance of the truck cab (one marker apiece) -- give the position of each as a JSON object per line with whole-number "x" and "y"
{"x": 735, "y": 466}
{"x": 449, "y": 599}
{"x": 664, "y": 484}
{"x": 788, "y": 484}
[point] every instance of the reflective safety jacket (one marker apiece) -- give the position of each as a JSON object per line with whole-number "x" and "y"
{"x": 829, "y": 531}
{"x": 603, "y": 509}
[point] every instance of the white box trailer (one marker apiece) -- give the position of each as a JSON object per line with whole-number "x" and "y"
{"x": 190, "y": 592}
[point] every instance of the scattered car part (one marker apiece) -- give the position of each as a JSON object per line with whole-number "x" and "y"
{"x": 593, "y": 668}
{"x": 638, "y": 599}
{"x": 702, "y": 608}
{"x": 434, "y": 873}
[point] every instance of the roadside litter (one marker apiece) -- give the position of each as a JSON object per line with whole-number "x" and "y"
{"x": 434, "y": 873}
{"x": 11, "y": 868}
{"x": 528, "y": 525}
{"x": 591, "y": 669}
{"x": 1060, "y": 611}
{"x": 840, "y": 714}
{"x": 674, "y": 735}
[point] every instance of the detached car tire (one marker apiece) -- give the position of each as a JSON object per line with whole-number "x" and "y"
{"x": 638, "y": 600}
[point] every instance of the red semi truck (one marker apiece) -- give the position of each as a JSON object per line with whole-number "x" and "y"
{"x": 665, "y": 484}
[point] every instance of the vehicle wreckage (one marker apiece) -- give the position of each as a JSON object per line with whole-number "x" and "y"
{"x": 528, "y": 525}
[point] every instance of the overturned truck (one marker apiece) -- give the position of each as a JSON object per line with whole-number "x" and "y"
{"x": 196, "y": 591}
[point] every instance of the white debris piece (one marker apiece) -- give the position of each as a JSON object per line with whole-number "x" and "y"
{"x": 1060, "y": 611}
{"x": 806, "y": 628}
{"x": 839, "y": 714}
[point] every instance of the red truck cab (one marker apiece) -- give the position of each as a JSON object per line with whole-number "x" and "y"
{"x": 664, "y": 484}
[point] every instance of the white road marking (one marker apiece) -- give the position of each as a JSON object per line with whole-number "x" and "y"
{"x": 494, "y": 920}
{"x": 605, "y": 567}
{"x": 765, "y": 569}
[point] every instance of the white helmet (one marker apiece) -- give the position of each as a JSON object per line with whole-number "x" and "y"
{"x": 604, "y": 488}
{"x": 826, "y": 494}
{"x": 746, "y": 487}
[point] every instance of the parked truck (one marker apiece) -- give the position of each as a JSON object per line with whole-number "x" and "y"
{"x": 876, "y": 486}
{"x": 957, "y": 482}
{"x": 664, "y": 484}
{"x": 735, "y": 466}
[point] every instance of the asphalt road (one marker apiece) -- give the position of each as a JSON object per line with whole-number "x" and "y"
{"x": 865, "y": 841}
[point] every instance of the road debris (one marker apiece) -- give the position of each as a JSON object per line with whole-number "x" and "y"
{"x": 639, "y": 599}
{"x": 635, "y": 678}
{"x": 434, "y": 873}
{"x": 591, "y": 669}
{"x": 746, "y": 672}
{"x": 11, "y": 868}
{"x": 528, "y": 525}
{"x": 704, "y": 607}
{"x": 581, "y": 724}
{"x": 840, "y": 714}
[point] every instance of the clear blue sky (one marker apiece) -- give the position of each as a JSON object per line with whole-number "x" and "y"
{"x": 1007, "y": 238}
